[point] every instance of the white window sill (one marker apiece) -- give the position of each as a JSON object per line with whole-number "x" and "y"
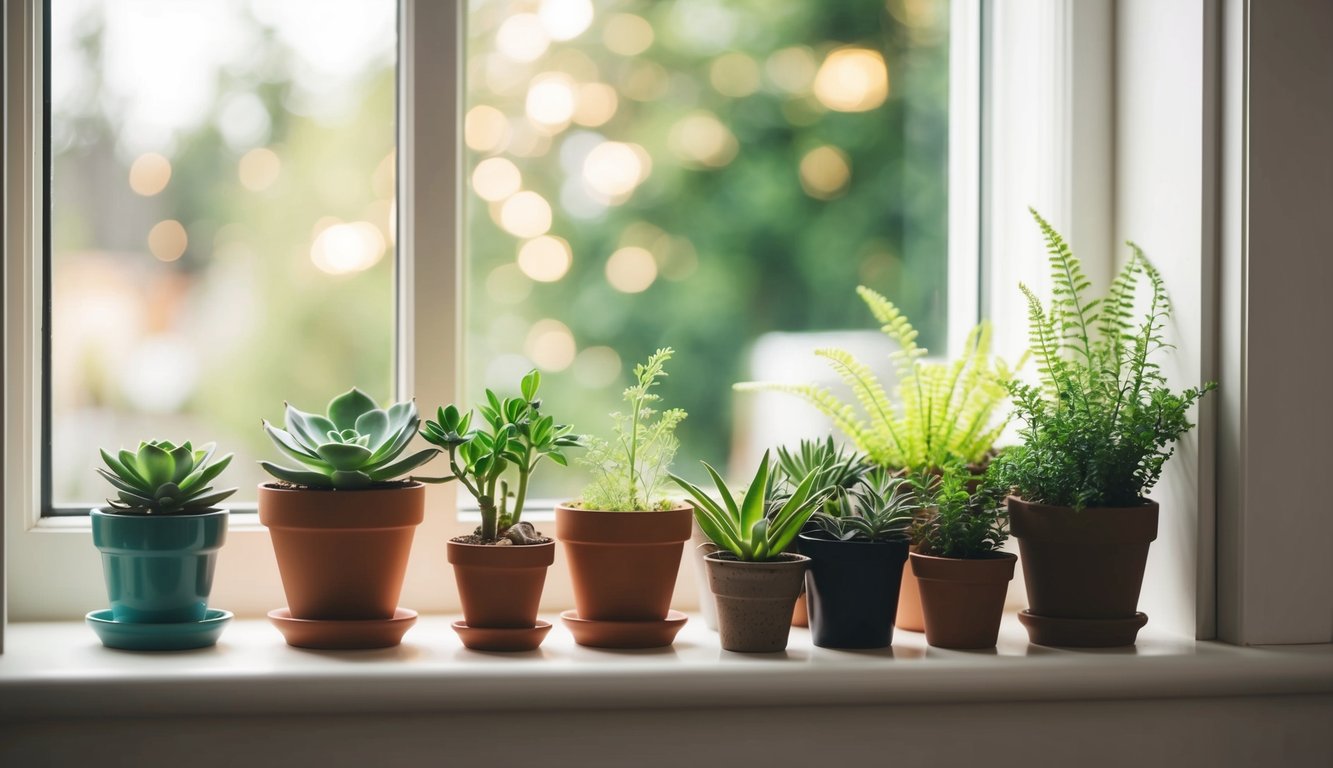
{"x": 59, "y": 670}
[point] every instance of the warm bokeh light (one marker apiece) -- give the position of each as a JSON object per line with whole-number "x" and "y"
{"x": 550, "y": 345}
{"x": 597, "y": 103}
{"x": 346, "y": 248}
{"x": 627, "y": 34}
{"x": 647, "y": 81}
{"x": 259, "y": 168}
{"x": 506, "y": 284}
{"x": 734, "y": 74}
{"x": 526, "y": 214}
{"x": 167, "y": 240}
{"x": 565, "y": 19}
{"x": 496, "y": 178}
{"x": 852, "y": 80}
{"x": 149, "y": 174}
{"x": 792, "y": 69}
{"x": 702, "y": 140}
{"x": 551, "y": 101}
{"x": 522, "y": 37}
{"x": 597, "y": 367}
{"x": 631, "y": 270}
{"x": 614, "y": 169}
{"x": 825, "y": 172}
{"x": 485, "y": 129}
{"x": 545, "y": 259}
{"x": 384, "y": 181}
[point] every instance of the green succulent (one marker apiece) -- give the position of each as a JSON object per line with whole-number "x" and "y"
{"x": 840, "y": 469}
{"x": 743, "y": 528}
{"x": 165, "y": 479}
{"x": 355, "y": 445}
{"x": 882, "y": 509}
{"x": 961, "y": 521}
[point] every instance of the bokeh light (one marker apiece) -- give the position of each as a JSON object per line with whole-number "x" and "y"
{"x": 522, "y": 37}
{"x": 506, "y": 284}
{"x": 596, "y": 104}
{"x": 545, "y": 259}
{"x": 614, "y": 169}
{"x": 825, "y": 172}
{"x": 342, "y": 249}
{"x": 700, "y": 139}
{"x": 485, "y": 129}
{"x": 627, "y": 34}
{"x": 565, "y": 19}
{"x": 259, "y": 169}
{"x": 149, "y": 174}
{"x": 526, "y": 214}
{"x": 167, "y": 240}
{"x": 496, "y": 178}
{"x": 792, "y": 69}
{"x": 734, "y": 74}
{"x": 551, "y": 100}
{"x": 631, "y": 269}
{"x": 597, "y": 367}
{"x": 550, "y": 345}
{"x": 852, "y": 80}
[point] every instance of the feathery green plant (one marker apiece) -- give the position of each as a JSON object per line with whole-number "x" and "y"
{"x": 162, "y": 478}
{"x": 353, "y": 446}
{"x": 957, "y": 522}
{"x": 942, "y": 412}
{"x": 519, "y": 436}
{"x": 628, "y": 469}
{"x": 1100, "y": 426}
{"x": 882, "y": 509}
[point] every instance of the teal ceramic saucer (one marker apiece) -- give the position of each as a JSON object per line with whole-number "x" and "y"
{"x": 176, "y": 636}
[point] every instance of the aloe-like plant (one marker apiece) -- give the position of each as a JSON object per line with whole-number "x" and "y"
{"x": 355, "y": 445}
{"x": 941, "y": 412}
{"x": 742, "y": 528}
{"x": 519, "y": 436}
{"x": 162, "y": 478}
{"x": 840, "y": 469}
{"x": 882, "y": 509}
{"x": 628, "y": 469}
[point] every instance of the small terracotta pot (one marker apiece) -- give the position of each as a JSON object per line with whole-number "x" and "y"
{"x": 910, "y": 616}
{"x": 851, "y": 588}
{"x": 342, "y": 554}
{"x": 755, "y": 600}
{"x": 800, "y": 613}
{"x": 700, "y": 546}
{"x": 623, "y": 564}
{"x": 963, "y": 600}
{"x": 1085, "y": 564}
{"x": 500, "y": 586}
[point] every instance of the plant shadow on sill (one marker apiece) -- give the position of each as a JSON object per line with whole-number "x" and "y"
{"x": 469, "y": 654}
{"x": 403, "y": 652}
{"x": 884, "y": 653}
{"x": 1046, "y": 650}
{"x": 953, "y": 653}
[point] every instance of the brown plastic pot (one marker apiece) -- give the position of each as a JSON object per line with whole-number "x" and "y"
{"x": 910, "y": 616}
{"x": 500, "y": 586}
{"x": 342, "y": 554}
{"x": 755, "y": 600}
{"x": 623, "y": 564}
{"x": 963, "y": 600}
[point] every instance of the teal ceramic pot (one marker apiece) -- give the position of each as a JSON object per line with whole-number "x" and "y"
{"x": 159, "y": 568}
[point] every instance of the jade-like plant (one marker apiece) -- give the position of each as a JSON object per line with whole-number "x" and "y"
{"x": 958, "y": 522}
{"x": 741, "y": 527}
{"x": 1100, "y": 426}
{"x": 355, "y": 445}
{"x": 162, "y": 478}
{"x": 940, "y": 412}
{"x": 882, "y": 509}
{"x": 516, "y": 435}
{"x": 628, "y": 470}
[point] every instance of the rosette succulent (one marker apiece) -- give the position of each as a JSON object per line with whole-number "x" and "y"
{"x": 354, "y": 445}
{"x": 162, "y": 478}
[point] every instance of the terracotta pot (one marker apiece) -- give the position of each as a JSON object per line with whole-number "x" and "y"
{"x": 700, "y": 547}
{"x": 800, "y": 613}
{"x": 623, "y": 564}
{"x": 500, "y": 586}
{"x": 851, "y": 590}
{"x": 963, "y": 600}
{"x": 755, "y": 600}
{"x": 910, "y": 616}
{"x": 342, "y": 554}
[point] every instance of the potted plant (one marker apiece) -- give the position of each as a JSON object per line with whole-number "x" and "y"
{"x": 624, "y": 538}
{"x": 857, "y": 550}
{"x": 940, "y": 413}
{"x": 159, "y": 538}
{"x": 754, "y": 579}
{"x": 501, "y": 567}
{"x": 1096, "y": 433}
{"x": 961, "y": 572}
{"x": 342, "y": 524}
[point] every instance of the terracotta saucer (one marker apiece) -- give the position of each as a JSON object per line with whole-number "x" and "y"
{"x": 174, "y": 636}
{"x": 624, "y": 634}
{"x": 343, "y": 634}
{"x": 1081, "y": 633}
{"x": 502, "y": 638}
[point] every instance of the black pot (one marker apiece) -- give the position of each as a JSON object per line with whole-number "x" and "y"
{"x": 852, "y": 590}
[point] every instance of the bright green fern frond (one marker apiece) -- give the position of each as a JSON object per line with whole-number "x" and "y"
{"x": 896, "y": 326}
{"x": 1077, "y": 317}
{"x": 842, "y": 415}
{"x": 869, "y": 393}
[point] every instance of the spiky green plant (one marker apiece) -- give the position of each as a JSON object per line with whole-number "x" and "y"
{"x": 162, "y": 478}
{"x": 840, "y": 469}
{"x": 882, "y": 509}
{"x": 354, "y": 446}
{"x": 940, "y": 412}
{"x": 742, "y": 528}
{"x": 628, "y": 469}
{"x": 518, "y": 436}
{"x": 1100, "y": 426}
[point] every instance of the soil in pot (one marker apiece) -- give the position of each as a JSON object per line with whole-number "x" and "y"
{"x": 159, "y": 568}
{"x": 755, "y": 600}
{"x": 852, "y": 590}
{"x": 623, "y": 564}
{"x": 342, "y": 554}
{"x": 963, "y": 600}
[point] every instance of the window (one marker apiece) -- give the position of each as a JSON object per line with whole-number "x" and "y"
{"x": 221, "y": 222}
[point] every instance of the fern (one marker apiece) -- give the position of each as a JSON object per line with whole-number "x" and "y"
{"x": 940, "y": 413}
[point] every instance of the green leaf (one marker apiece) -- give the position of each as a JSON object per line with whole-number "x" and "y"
{"x": 204, "y": 474}
{"x": 374, "y": 425}
{"x": 288, "y": 445}
{"x": 344, "y": 457}
{"x": 346, "y": 408}
{"x": 309, "y": 429}
{"x": 208, "y": 501}
{"x": 183, "y": 460}
{"x": 404, "y": 466}
{"x": 156, "y": 464}
{"x": 122, "y": 469}
{"x": 118, "y": 482}
{"x": 298, "y": 476}
{"x": 351, "y": 480}
{"x": 752, "y": 508}
{"x": 530, "y": 383}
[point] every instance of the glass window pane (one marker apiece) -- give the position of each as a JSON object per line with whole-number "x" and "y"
{"x": 696, "y": 173}
{"x": 222, "y": 207}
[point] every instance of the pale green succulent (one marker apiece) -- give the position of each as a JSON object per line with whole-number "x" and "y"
{"x": 354, "y": 446}
{"x": 165, "y": 479}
